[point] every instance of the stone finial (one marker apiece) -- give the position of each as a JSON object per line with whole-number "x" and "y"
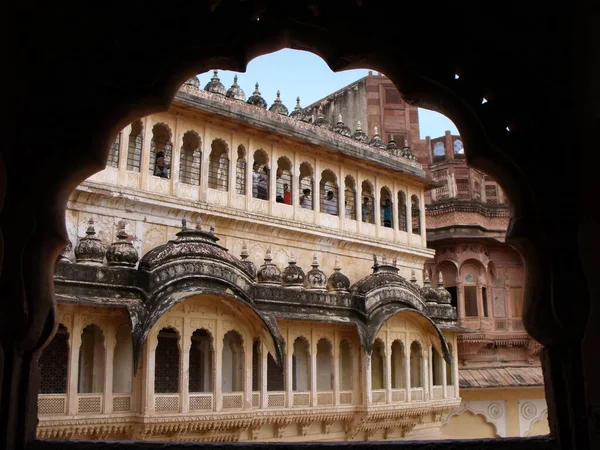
{"x": 341, "y": 128}
{"x": 392, "y": 147}
{"x": 292, "y": 276}
{"x": 413, "y": 276}
{"x": 212, "y": 228}
{"x": 337, "y": 281}
{"x": 64, "y": 256}
{"x": 256, "y": 99}
{"x": 269, "y": 273}
{"x": 426, "y": 280}
{"x": 246, "y": 262}
{"x": 214, "y": 85}
{"x": 183, "y": 224}
{"x": 395, "y": 262}
{"x": 235, "y": 91}
{"x": 244, "y": 254}
{"x": 375, "y": 132}
{"x": 199, "y": 225}
{"x": 440, "y": 279}
{"x": 316, "y": 280}
{"x": 122, "y": 253}
{"x": 90, "y": 250}
{"x": 383, "y": 259}
{"x": 358, "y": 126}
{"x": 268, "y": 257}
{"x": 321, "y": 120}
{"x": 376, "y": 141}
{"x": 375, "y": 263}
{"x": 336, "y": 264}
{"x": 297, "y": 113}
{"x": 359, "y": 135}
{"x": 278, "y": 106}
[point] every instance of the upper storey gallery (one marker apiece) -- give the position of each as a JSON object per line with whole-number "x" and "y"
{"x": 237, "y": 158}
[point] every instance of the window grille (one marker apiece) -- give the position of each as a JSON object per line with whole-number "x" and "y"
{"x": 218, "y": 172}
{"x": 134, "y": 151}
{"x": 350, "y": 203}
{"x": 274, "y": 375}
{"x": 329, "y": 203}
{"x": 113, "y": 153}
{"x": 403, "y": 224}
{"x": 491, "y": 194}
{"x": 190, "y": 161}
{"x": 392, "y": 96}
{"x": 442, "y": 193}
{"x": 438, "y": 149}
{"x": 283, "y": 193}
{"x": 366, "y": 209}
{"x": 53, "y": 364}
{"x": 166, "y": 365}
{"x": 416, "y": 216}
{"x": 160, "y": 158}
{"x": 462, "y": 188}
{"x": 477, "y": 189}
{"x": 306, "y": 199}
{"x": 240, "y": 176}
{"x": 386, "y": 208}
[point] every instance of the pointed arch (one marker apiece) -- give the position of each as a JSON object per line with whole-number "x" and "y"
{"x": 201, "y": 361}
{"x": 402, "y": 216}
{"x": 91, "y": 360}
{"x": 415, "y": 214}
{"x": 329, "y": 191}
{"x": 54, "y": 363}
{"x": 241, "y": 165}
{"x": 113, "y": 152}
{"x": 232, "y": 362}
{"x": 306, "y": 185}
{"x": 301, "y": 365}
{"x": 398, "y": 361}
{"x": 324, "y": 359}
{"x": 350, "y": 197}
{"x": 218, "y": 165}
{"x": 283, "y": 183}
{"x": 135, "y": 145}
{"x": 190, "y": 158}
{"x": 166, "y": 362}
{"x": 261, "y": 175}
{"x": 387, "y": 205}
{"x": 367, "y": 202}
{"x": 161, "y": 148}
{"x": 417, "y": 378}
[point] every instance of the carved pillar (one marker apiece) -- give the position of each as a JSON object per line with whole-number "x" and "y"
{"x": 367, "y": 394}
{"x": 151, "y": 344}
{"x": 74, "y": 346}
{"x": 123, "y": 150}
{"x": 232, "y": 173}
{"x": 429, "y": 373}
{"x": 145, "y": 158}
{"x": 186, "y": 343}
{"x": 342, "y": 199}
{"x": 264, "y": 357}
{"x": 422, "y": 219}
{"x": 313, "y": 370}
{"x": 248, "y": 346}
{"x": 176, "y": 154}
{"x": 317, "y": 192}
{"x": 288, "y": 373}
{"x": 460, "y": 293}
{"x": 336, "y": 366}
{"x": 204, "y": 166}
{"x": 444, "y": 393}
{"x": 377, "y": 206}
{"x": 408, "y": 207}
{"x": 110, "y": 343}
{"x": 217, "y": 369}
{"x": 407, "y": 381}
{"x": 388, "y": 372}
{"x": 395, "y": 217}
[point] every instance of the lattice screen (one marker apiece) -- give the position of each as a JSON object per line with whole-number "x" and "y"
{"x": 53, "y": 364}
{"x": 134, "y": 153}
{"x": 166, "y": 366}
{"x": 256, "y": 366}
{"x": 121, "y": 404}
{"x": 218, "y": 172}
{"x": 240, "y": 176}
{"x": 189, "y": 166}
{"x": 113, "y": 153}
{"x": 392, "y": 96}
{"x": 306, "y": 183}
{"x": 491, "y": 194}
{"x": 462, "y": 188}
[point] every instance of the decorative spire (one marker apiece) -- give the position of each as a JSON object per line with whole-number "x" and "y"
{"x": 122, "y": 253}
{"x": 235, "y": 91}
{"x": 297, "y": 113}
{"x": 413, "y": 276}
{"x": 214, "y": 85}
{"x": 392, "y": 147}
{"x": 338, "y": 282}
{"x": 316, "y": 280}
{"x": 90, "y": 250}
{"x": 341, "y": 128}
{"x": 426, "y": 280}
{"x": 376, "y": 141}
{"x": 256, "y": 99}
{"x": 321, "y": 120}
{"x": 440, "y": 280}
{"x": 246, "y": 262}
{"x": 183, "y": 224}
{"x": 269, "y": 273}
{"x": 407, "y": 152}
{"x": 278, "y": 106}
{"x": 359, "y": 135}
{"x": 244, "y": 255}
{"x": 292, "y": 276}
{"x": 64, "y": 256}
{"x": 193, "y": 82}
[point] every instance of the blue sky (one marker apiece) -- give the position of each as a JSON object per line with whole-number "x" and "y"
{"x": 298, "y": 73}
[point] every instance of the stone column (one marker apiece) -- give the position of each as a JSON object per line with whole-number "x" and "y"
{"x": 74, "y": 345}
{"x": 429, "y": 374}
{"x": 317, "y": 191}
{"x": 218, "y": 367}
{"x": 123, "y": 150}
{"x": 110, "y": 343}
{"x": 176, "y": 154}
{"x": 288, "y": 374}
{"x": 395, "y": 215}
{"x": 388, "y": 372}
{"x": 408, "y": 216}
{"x": 313, "y": 370}
{"x": 264, "y": 394}
{"x": 151, "y": 344}
{"x": 367, "y": 394}
{"x": 460, "y": 293}
{"x": 444, "y": 384}
{"x": 206, "y": 149}
{"x": 422, "y": 219}
{"x": 336, "y": 366}
{"x": 407, "y": 381}
{"x": 186, "y": 344}
{"x": 232, "y": 172}
{"x": 145, "y": 157}
{"x": 249, "y": 345}
{"x": 377, "y": 206}
{"x": 342, "y": 198}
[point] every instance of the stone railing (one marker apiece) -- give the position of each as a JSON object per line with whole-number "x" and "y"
{"x": 52, "y": 404}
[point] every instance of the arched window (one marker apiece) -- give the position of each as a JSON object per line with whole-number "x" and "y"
{"x": 324, "y": 365}
{"x": 346, "y": 368}
{"x": 240, "y": 171}
{"x": 201, "y": 362}
{"x": 123, "y": 361}
{"x": 113, "y": 153}
{"x": 470, "y": 293}
{"x": 232, "y": 369}
{"x": 275, "y": 378}
{"x": 54, "y": 363}
{"x": 459, "y": 148}
{"x": 218, "y": 166}
{"x": 166, "y": 362}
{"x": 301, "y": 365}
{"x": 436, "y": 367}
{"x": 416, "y": 365}
{"x": 386, "y": 208}
{"x": 191, "y": 157}
{"x": 134, "y": 149}
{"x": 367, "y": 203}
{"x": 402, "y": 222}
{"x": 416, "y": 214}
{"x": 283, "y": 182}
{"x": 160, "y": 151}
{"x": 91, "y": 361}
{"x": 438, "y": 149}
{"x": 378, "y": 365}
{"x": 398, "y": 361}
{"x": 260, "y": 175}
{"x": 306, "y": 186}
{"x": 350, "y": 200}
{"x": 329, "y": 193}
{"x": 449, "y": 372}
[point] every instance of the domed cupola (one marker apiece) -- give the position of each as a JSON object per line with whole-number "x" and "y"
{"x": 293, "y": 275}
{"x": 214, "y": 85}
{"x": 321, "y": 120}
{"x": 376, "y": 140}
{"x": 445, "y": 298}
{"x": 122, "y": 253}
{"x": 392, "y": 147}
{"x": 235, "y": 91}
{"x": 269, "y": 273}
{"x": 406, "y": 152}
{"x": 359, "y": 135}
{"x": 250, "y": 266}
{"x": 278, "y": 106}
{"x": 297, "y": 113}
{"x": 341, "y": 128}
{"x": 384, "y": 275}
{"x": 256, "y": 99}
{"x": 193, "y": 82}
{"x": 191, "y": 244}
{"x": 316, "y": 280}
{"x": 90, "y": 249}
{"x": 429, "y": 294}
{"x": 338, "y": 282}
